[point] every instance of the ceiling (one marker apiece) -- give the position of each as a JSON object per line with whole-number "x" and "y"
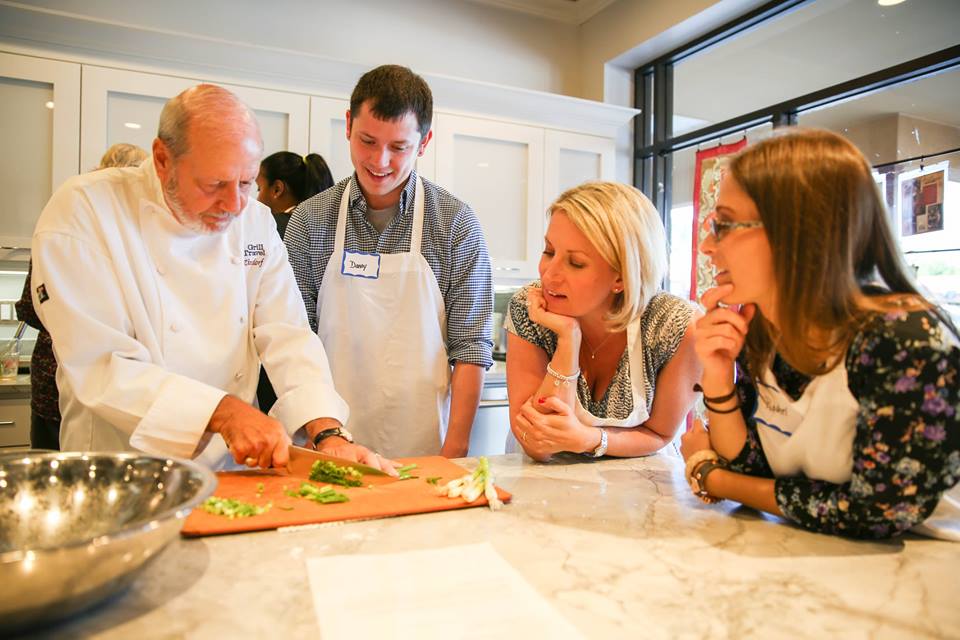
{"x": 821, "y": 44}
{"x": 569, "y": 11}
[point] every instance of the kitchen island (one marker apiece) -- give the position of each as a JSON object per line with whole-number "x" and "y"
{"x": 620, "y": 548}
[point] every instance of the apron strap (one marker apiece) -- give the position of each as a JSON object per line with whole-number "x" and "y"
{"x": 416, "y": 234}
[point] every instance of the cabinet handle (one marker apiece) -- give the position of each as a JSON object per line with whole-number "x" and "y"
{"x": 6, "y": 423}
{"x": 487, "y": 404}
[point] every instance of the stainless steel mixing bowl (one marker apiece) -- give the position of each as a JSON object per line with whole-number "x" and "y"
{"x": 78, "y": 527}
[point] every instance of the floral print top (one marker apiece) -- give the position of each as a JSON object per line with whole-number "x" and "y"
{"x": 904, "y": 369}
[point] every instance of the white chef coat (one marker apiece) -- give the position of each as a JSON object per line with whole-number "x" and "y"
{"x": 152, "y": 324}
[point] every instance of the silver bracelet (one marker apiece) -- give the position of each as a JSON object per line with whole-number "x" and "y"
{"x": 559, "y": 378}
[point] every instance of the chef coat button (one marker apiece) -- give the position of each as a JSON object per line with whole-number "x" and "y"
{"x": 241, "y": 319}
{"x": 161, "y": 270}
{"x": 174, "y": 327}
{"x": 235, "y": 260}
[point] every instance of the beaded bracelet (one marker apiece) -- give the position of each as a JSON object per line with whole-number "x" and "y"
{"x": 699, "y": 464}
{"x": 559, "y": 378}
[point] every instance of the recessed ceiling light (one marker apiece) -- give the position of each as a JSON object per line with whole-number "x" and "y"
{"x": 49, "y": 104}
{"x": 131, "y": 125}
{"x": 889, "y": 3}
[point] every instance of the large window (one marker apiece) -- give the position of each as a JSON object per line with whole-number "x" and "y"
{"x": 887, "y": 77}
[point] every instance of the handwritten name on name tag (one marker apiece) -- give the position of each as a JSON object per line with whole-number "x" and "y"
{"x": 360, "y": 265}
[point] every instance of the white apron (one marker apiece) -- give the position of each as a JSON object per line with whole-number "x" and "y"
{"x": 813, "y": 436}
{"x": 382, "y": 320}
{"x": 638, "y": 386}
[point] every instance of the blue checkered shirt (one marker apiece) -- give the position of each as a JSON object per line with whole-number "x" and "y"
{"x": 453, "y": 245}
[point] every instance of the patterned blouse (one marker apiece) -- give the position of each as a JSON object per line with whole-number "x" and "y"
{"x": 662, "y": 326}
{"x": 904, "y": 369}
{"x": 44, "y": 397}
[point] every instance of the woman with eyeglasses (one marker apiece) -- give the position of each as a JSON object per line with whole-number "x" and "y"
{"x": 600, "y": 361}
{"x": 830, "y": 382}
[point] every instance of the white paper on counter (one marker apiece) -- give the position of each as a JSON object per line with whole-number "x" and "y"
{"x": 466, "y": 591}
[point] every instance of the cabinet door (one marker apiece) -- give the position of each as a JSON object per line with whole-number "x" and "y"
{"x": 124, "y": 106}
{"x": 40, "y": 129}
{"x": 14, "y": 422}
{"x": 328, "y": 137}
{"x": 497, "y": 168}
{"x": 572, "y": 158}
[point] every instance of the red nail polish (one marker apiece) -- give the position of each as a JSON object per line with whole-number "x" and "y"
{"x": 541, "y": 400}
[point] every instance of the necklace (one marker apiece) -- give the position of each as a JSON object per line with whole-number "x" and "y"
{"x": 593, "y": 352}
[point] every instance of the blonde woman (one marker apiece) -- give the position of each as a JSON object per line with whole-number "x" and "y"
{"x": 591, "y": 343}
{"x": 845, "y": 415}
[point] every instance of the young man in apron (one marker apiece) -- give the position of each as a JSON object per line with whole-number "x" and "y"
{"x": 395, "y": 275}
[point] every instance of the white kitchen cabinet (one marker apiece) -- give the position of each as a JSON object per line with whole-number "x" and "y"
{"x": 125, "y": 106}
{"x": 572, "y": 158}
{"x": 328, "y": 137}
{"x": 497, "y": 167}
{"x": 40, "y": 129}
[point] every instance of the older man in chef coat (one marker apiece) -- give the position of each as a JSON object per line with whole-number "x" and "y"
{"x": 165, "y": 286}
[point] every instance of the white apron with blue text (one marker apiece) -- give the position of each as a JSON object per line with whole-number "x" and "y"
{"x": 382, "y": 320}
{"x": 813, "y": 436}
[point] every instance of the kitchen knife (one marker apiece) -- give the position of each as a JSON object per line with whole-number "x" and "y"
{"x": 301, "y": 460}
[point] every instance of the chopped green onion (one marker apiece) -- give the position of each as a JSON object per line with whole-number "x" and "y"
{"x": 473, "y": 485}
{"x": 330, "y": 472}
{"x": 404, "y": 472}
{"x": 233, "y": 508}
{"x": 433, "y": 480}
{"x": 323, "y": 495}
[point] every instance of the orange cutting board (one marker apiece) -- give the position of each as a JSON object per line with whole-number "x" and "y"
{"x": 378, "y": 497}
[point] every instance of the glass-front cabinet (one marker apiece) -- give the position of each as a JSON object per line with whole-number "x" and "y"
{"x": 40, "y": 133}
{"x": 497, "y": 167}
{"x": 573, "y": 158}
{"x": 124, "y": 106}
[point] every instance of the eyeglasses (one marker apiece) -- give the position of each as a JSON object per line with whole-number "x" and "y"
{"x": 720, "y": 228}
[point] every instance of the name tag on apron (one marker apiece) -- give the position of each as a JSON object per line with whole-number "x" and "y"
{"x": 360, "y": 265}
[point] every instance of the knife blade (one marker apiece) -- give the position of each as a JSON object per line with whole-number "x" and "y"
{"x": 301, "y": 460}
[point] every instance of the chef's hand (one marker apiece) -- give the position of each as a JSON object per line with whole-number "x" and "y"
{"x": 543, "y": 434}
{"x": 253, "y": 438}
{"x": 341, "y": 448}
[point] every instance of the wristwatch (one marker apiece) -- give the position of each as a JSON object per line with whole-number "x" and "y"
{"x": 601, "y": 448}
{"x": 334, "y": 431}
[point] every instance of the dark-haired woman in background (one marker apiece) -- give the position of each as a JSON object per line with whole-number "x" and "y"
{"x": 844, "y": 418}
{"x": 287, "y": 179}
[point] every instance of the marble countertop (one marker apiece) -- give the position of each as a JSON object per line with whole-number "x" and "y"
{"x": 19, "y": 385}
{"x": 620, "y": 548}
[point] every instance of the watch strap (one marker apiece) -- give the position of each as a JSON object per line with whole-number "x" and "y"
{"x": 327, "y": 433}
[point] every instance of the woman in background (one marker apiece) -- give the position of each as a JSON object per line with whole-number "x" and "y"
{"x": 287, "y": 179}
{"x": 845, "y": 415}
{"x": 44, "y": 397}
{"x": 599, "y": 359}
